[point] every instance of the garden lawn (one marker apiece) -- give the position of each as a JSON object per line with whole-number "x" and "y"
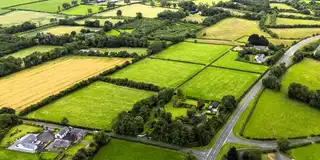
{"x": 94, "y": 106}
{"x": 231, "y": 29}
{"x": 25, "y": 52}
{"x": 288, "y": 21}
{"x": 139, "y": 51}
{"x": 214, "y": 83}
{"x": 18, "y": 17}
{"x": 295, "y": 32}
{"x": 229, "y": 61}
{"x": 82, "y": 10}
{"x": 17, "y": 132}
{"x": 8, "y": 3}
{"x": 45, "y": 6}
{"x": 75, "y": 147}
{"x": 284, "y": 117}
{"x": 131, "y": 10}
{"x": 57, "y": 30}
{"x": 310, "y": 152}
{"x": 193, "y": 52}
{"x": 281, "y": 6}
{"x": 159, "y": 72}
{"x": 14, "y": 155}
{"x": 124, "y": 150}
{"x": 176, "y": 112}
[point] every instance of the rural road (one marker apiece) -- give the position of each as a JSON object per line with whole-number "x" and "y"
{"x": 227, "y": 130}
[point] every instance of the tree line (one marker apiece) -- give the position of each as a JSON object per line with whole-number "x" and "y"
{"x": 272, "y": 81}
{"x": 302, "y": 93}
{"x": 25, "y": 26}
{"x": 10, "y": 44}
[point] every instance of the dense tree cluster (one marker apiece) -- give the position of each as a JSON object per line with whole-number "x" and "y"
{"x": 107, "y": 26}
{"x": 232, "y": 5}
{"x": 156, "y": 47}
{"x": 211, "y": 20}
{"x": 50, "y": 39}
{"x": 131, "y": 84}
{"x": 275, "y": 57}
{"x": 38, "y": 58}
{"x": 212, "y": 11}
{"x": 7, "y": 110}
{"x": 6, "y": 122}
{"x": 188, "y": 5}
{"x": 67, "y": 22}
{"x": 11, "y": 43}
{"x": 255, "y": 39}
{"x": 95, "y": 23}
{"x": 171, "y": 15}
{"x": 272, "y": 82}
{"x": 10, "y": 65}
{"x": 26, "y": 26}
{"x": 278, "y": 71}
{"x": 302, "y": 93}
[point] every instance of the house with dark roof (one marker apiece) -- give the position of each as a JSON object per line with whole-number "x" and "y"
{"x": 62, "y": 133}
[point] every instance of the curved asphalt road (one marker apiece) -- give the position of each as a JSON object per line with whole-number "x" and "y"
{"x": 227, "y": 134}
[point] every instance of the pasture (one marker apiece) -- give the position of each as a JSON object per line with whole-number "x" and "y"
{"x": 214, "y": 83}
{"x": 281, "y": 6}
{"x": 45, "y": 6}
{"x": 288, "y": 21}
{"x": 193, "y": 52}
{"x": 295, "y": 32}
{"x": 231, "y": 29}
{"x": 57, "y": 30}
{"x": 229, "y": 61}
{"x": 88, "y": 106}
{"x": 310, "y": 152}
{"x": 195, "y": 17}
{"x": 4, "y": 4}
{"x": 3, "y": 11}
{"x": 135, "y": 151}
{"x": 17, "y": 132}
{"x": 284, "y": 117}
{"x": 30, "y": 86}
{"x": 102, "y": 20}
{"x": 18, "y": 17}
{"x": 159, "y": 72}
{"x": 131, "y": 10}
{"x": 82, "y": 10}
{"x": 25, "y": 52}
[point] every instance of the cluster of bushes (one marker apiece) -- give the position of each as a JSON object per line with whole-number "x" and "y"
{"x": 171, "y": 15}
{"x": 272, "y": 81}
{"x": 26, "y": 26}
{"x": 131, "y": 84}
{"x": 10, "y": 65}
{"x": 211, "y": 20}
{"x": 275, "y": 57}
{"x": 67, "y": 22}
{"x": 188, "y": 6}
{"x": 156, "y": 47}
{"x": 302, "y": 93}
{"x": 50, "y": 39}
{"x": 213, "y": 11}
{"x": 6, "y": 122}
{"x": 254, "y": 5}
{"x": 95, "y": 23}
{"x": 251, "y": 16}
{"x": 11, "y": 43}
{"x": 233, "y": 154}
{"x": 255, "y": 39}
{"x": 231, "y": 5}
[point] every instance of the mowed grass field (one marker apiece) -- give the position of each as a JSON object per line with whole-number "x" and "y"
{"x": 17, "y": 132}
{"x": 18, "y": 17}
{"x": 30, "y": 86}
{"x": 310, "y": 152}
{"x": 45, "y": 6}
{"x": 159, "y": 72}
{"x": 284, "y": 117}
{"x": 131, "y": 10}
{"x": 295, "y": 32}
{"x": 8, "y": 3}
{"x": 93, "y": 106}
{"x": 231, "y": 29}
{"x": 57, "y": 30}
{"x": 288, "y": 21}
{"x": 124, "y": 150}
{"x": 214, "y": 83}
{"x": 229, "y": 61}
{"x": 82, "y": 10}
{"x": 193, "y": 52}
{"x": 25, "y": 52}
{"x": 281, "y": 6}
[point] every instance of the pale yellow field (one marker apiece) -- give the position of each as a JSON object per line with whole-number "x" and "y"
{"x": 32, "y": 85}
{"x": 231, "y": 29}
{"x": 131, "y": 10}
{"x": 295, "y": 32}
{"x": 18, "y": 17}
{"x": 195, "y": 17}
{"x": 288, "y": 21}
{"x": 57, "y": 30}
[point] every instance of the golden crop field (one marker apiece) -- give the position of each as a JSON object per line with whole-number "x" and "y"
{"x": 30, "y": 86}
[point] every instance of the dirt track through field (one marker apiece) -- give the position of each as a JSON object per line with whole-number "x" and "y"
{"x": 32, "y": 85}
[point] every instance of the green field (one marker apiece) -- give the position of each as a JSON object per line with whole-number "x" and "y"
{"x": 214, "y": 83}
{"x": 139, "y": 51}
{"x": 93, "y": 106}
{"x": 284, "y": 117}
{"x": 295, "y": 32}
{"x": 124, "y": 150}
{"x": 176, "y": 112}
{"x": 8, "y": 3}
{"x": 18, "y": 17}
{"x": 231, "y": 29}
{"x": 113, "y": 32}
{"x": 159, "y": 72}
{"x": 281, "y": 6}
{"x": 57, "y": 30}
{"x": 131, "y": 10}
{"x": 18, "y": 132}
{"x": 45, "y": 6}
{"x": 229, "y": 61}
{"x": 74, "y": 148}
{"x": 193, "y": 52}
{"x": 113, "y": 21}
{"x": 25, "y": 52}
{"x": 310, "y": 152}
{"x": 82, "y": 10}
{"x": 288, "y": 21}
{"x": 3, "y": 11}
{"x": 14, "y": 155}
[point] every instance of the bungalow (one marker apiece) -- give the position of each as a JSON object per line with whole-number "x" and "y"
{"x": 26, "y": 144}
